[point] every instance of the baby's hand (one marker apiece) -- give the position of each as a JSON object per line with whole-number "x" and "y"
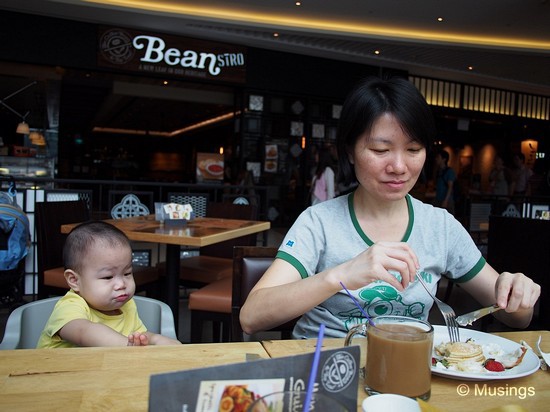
{"x": 138, "y": 339}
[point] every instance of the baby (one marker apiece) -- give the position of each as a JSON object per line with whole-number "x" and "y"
{"x": 99, "y": 309}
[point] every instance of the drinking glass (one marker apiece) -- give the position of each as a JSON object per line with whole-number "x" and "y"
{"x": 399, "y": 355}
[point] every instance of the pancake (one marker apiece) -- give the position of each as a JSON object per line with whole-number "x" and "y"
{"x": 458, "y": 352}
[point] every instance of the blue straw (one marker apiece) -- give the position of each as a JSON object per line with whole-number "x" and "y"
{"x": 358, "y": 305}
{"x": 314, "y": 366}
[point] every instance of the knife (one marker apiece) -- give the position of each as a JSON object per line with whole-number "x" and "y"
{"x": 469, "y": 318}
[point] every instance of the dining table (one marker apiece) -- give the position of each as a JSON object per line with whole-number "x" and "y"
{"x": 197, "y": 232}
{"x": 532, "y": 393}
{"x": 117, "y": 378}
{"x": 106, "y": 378}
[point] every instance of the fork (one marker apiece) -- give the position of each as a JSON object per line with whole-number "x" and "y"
{"x": 448, "y": 313}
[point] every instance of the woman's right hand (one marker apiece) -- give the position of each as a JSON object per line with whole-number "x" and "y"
{"x": 377, "y": 261}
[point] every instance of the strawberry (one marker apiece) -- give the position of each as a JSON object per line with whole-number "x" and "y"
{"x": 493, "y": 365}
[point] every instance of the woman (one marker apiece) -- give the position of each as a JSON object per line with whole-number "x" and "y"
{"x": 322, "y": 184}
{"x": 375, "y": 239}
{"x": 498, "y": 178}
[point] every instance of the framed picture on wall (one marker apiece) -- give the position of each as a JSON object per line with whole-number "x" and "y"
{"x": 537, "y": 211}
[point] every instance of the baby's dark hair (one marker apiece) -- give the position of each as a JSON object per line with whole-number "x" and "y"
{"x": 82, "y": 237}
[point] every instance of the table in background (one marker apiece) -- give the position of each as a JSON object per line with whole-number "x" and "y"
{"x": 444, "y": 391}
{"x": 114, "y": 379}
{"x": 197, "y": 232}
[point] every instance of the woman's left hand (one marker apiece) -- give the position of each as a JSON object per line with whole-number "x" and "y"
{"x": 515, "y": 291}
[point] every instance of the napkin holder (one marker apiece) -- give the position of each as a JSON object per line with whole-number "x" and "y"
{"x": 165, "y": 216}
{"x": 179, "y": 222}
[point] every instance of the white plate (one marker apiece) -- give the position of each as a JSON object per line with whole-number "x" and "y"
{"x": 530, "y": 363}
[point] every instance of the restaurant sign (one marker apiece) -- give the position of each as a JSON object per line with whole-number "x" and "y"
{"x": 134, "y": 50}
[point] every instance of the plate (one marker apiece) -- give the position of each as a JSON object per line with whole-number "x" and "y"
{"x": 530, "y": 363}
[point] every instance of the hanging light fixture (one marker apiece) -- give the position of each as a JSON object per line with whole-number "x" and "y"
{"x": 23, "y": 128}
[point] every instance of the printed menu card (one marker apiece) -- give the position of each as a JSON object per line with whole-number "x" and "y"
{"x": 234, "y": 387}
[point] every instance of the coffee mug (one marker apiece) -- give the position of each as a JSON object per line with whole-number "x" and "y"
{"x": 399, "y": 355}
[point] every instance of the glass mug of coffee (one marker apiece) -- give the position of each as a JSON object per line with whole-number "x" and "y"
{"x": 399, "y": 355}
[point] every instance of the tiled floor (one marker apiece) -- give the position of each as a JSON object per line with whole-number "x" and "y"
{"x": 459, "y": 300}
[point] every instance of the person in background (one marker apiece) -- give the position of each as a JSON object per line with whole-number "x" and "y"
{"x": 520, "y": 176}
{"x": 445, "y": 180}
{"x": 99, "y": 309}
{"x": 498, "y": 178}
{"x": 376, "y": 239}
{"x": 323, "y": 182}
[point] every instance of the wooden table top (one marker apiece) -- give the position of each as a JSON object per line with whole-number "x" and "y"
{"x": 445, "y": 391}
{"x": 197, "y": 232}
{"x": 118, "y": 378}
{"x": 114, "y": 379}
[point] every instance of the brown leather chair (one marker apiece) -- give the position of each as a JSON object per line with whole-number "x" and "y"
{"x": 221, "y": 301}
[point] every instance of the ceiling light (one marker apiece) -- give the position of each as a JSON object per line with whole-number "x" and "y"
{"x": 275, "y": 34}
{"x": 23, "y": 128}
{"x": 440, "y": 19}
{"x": 377, "y": 52}
{"x": 298, "y": 3}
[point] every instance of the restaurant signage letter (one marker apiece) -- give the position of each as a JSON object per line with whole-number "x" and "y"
{"x": 175, "y": 56}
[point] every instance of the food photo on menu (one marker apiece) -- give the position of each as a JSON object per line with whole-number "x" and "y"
{"x": 235, "y": 395}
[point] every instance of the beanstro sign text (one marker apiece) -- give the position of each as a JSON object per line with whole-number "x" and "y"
{"x": 124, "y": 49}
{"x": 155, "y": 52}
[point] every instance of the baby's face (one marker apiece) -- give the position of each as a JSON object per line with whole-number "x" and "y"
{"x": 107, "y": 281}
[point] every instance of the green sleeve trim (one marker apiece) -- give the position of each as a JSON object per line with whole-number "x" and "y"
{"x": 294, "y": 262}
{"x": 473, "y": 272}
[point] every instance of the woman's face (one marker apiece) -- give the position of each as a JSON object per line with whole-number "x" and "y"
{"x": 387, "y": 162}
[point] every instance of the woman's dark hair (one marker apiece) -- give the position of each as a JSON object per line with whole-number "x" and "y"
{"x": 372, "y": 98}
{"x": 325, "y": 160}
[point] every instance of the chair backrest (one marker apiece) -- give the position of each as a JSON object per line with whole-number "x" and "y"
{"x": 49, "y": 218}
{"x": 130, "y": 205}
{"x": 66, "y": 195}
{"x": 230, "y": 211}
{"x": 156, "y": 316}
{"x": 249, "y": 264}
{"x": 198, "y": 201}
{"x": 479, "y": 217}
{"x": 25, "y": 324}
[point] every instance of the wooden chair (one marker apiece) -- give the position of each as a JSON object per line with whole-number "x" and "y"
{"x": 220, "y": 302}
{"x": 67, "y": 195}
{"x": 130, "y": 204}
{"x": 49, "y": 218}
